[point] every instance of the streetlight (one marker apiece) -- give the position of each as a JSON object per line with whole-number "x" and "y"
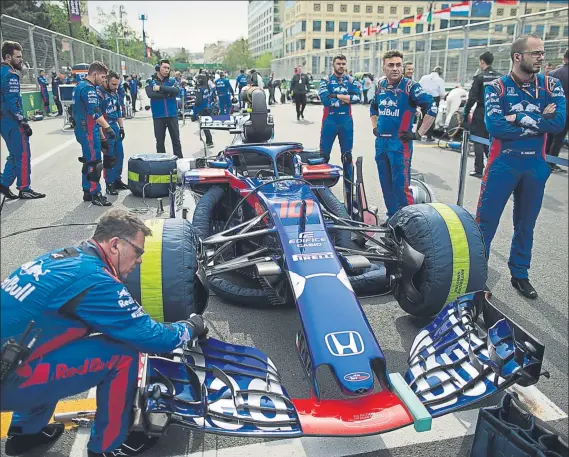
{"x": 144, "y": 17}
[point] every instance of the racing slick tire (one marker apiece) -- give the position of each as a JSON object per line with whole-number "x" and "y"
{"x": 166, "y": 283}
{"x": 371, "y": 281}
{"x": 232, "y": 286}
{"x": 455, "y": 257}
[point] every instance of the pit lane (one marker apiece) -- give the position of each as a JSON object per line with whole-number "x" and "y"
{"x": 55, "y": 171}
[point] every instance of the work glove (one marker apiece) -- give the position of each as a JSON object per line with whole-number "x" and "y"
{"x": 122, "y": 134}
{"x": 375, "y": 131}
{"x": 197, "y": 325}
{"x": 332, "y": 95}
{"x": 104, "y": 145}
{"x": 409, "y": 136}
{"x": 27, "y": 128}
{"x": 110, "y": 133}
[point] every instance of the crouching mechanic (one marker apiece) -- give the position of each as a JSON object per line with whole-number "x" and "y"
{"x": 113, "y": 157}
{"x": 392, "y": 112}
{"x": 88, "y": 118}
{"x": 92, "y": 332}
{"x": 521, "y": 109}
{"x": 338, "y": 92}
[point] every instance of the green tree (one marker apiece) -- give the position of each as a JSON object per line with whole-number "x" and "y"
{"x": 182, "y": 56}
{"x": 27, "y": 10}
{"x": 238, "y": 55}
{"x": 264, "y": 61}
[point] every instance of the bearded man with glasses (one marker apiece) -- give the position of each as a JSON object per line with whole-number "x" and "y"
{"x": 521, "y": 109}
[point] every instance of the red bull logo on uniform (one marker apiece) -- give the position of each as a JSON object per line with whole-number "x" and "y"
{"x": 62, "y": 371}
{"x": 12, "y": 287}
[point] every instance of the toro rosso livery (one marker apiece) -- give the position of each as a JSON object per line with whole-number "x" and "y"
{"x": 260, "y": 227}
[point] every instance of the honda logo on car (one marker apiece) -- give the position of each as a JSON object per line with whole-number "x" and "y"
{"x": 307, "y": 240}
{"x": 344, "y": 344}
{"x": 312, "y": 256}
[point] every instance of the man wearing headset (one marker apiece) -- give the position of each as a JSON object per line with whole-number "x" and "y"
{"x": 92, "y": 332}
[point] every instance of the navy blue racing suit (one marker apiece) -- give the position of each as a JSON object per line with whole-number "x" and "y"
{"x": 240, "y": 83}
{"x": 396, "y": 104}
{"x": 86, "y": 110}
{"x": 337, "y": 118}
{"x": 516, "y": 163}
{"x": 71, "y": 294}
{"x": 11, "y": 114}
{"x": 42, "y": 81}
{"x": 224, "y": 94}
{"x": 112, "y": 111}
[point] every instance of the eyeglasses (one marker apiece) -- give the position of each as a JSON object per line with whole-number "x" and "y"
{"x": 138, "y": 251}
{"x": 534, "y": 53}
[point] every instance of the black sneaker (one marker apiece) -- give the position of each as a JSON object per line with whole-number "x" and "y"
{"x": 476, "y": 174}
{"x": 554, "y": 167}
{"x": 7, "y": 192}
{"x": 119, "y": 185}
{"x": 100, "y": 200}
{"x": 87, "y": 197}
{"x": 18, "y": 444}
{"x": 524, "y": 286}
{"x": 111, "y": 189}
{"x": 302, "y": 115}
{"x": 209, "y": 145}
{"x": 29, "y": 194}
{"x": 136, "y": 443}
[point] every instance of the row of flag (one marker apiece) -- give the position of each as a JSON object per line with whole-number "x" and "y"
{"x": 461, "y": 9}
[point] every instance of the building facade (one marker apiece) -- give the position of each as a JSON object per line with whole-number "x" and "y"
{"x": 215, "y": 52}
{"x": 264, "y": 21}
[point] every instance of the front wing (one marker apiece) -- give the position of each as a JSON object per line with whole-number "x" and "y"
{"x": 468, "y": 353}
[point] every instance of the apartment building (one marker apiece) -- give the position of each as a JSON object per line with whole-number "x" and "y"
{"x": 264, "y": 21}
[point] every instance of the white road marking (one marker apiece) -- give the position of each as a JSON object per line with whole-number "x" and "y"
{"x": 51, "y": 152}
{"x": 79, "y": 448}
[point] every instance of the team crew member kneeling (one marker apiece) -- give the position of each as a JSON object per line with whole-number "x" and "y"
{"x": 71, "y": 293}
{"x": 112, "y": 148}
{"x": 87, "y": 114}
{"x": 521, "y": 109}
{"x": 392, "y": 112}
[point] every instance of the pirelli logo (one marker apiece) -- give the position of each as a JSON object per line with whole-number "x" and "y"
{"x": 312, "y": 256}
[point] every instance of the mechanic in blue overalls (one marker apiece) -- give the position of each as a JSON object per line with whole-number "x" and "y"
{"x": 114, "y": 157}
{"x": 14, "y": 126}
{"x": 522, "y": 108}
{"x": 88, "y": 118}
{"x": 134, "y": 84}
{"x": 224, "y": 93}
{"x": 392, "y": 112}
{"x": 42, "y": 82}
{"x": 202, "y": 107}
{"x": 92, "y": 333}
{"x": 338, "y": 92}
{"x": 122, "y": 95}
{"x": 240, "y": 83}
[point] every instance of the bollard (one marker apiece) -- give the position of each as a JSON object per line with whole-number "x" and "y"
{"x": 462, "y": 171}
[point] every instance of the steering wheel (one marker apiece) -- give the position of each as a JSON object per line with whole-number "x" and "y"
{"x": 269, "y": 174}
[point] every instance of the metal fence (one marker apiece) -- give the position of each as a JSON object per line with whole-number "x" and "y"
{"x": 50, "y": 51}
{"x": 455, "y": 49}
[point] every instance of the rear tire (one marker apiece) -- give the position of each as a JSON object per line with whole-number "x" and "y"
{"x": 455, "y": 257}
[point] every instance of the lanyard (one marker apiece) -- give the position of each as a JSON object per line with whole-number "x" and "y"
{"x": 106, "y": 259}
{"x": 536, "y": 96}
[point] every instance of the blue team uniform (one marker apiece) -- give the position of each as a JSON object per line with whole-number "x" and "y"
{"x": 42, "y": 81}
{"x": 111, "y": 108}
{"x": 240, "y": 83}
{"x": 224, "y": 93}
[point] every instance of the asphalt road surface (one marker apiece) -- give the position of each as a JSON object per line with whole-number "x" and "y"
{"x": 56, "y": 171}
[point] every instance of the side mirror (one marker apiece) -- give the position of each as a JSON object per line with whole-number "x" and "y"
{"x": 317, "y": 161}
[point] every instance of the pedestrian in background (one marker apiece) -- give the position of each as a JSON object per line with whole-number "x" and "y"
{"x": 56, "y": 81}
{"x": 521, "y": 108}
{"x": 434, "y": 85}
{"x": 299, "y": 87}
{"x": 408, "y": 70}
{"x": 42, "y": 82}
{"x": 14, "y": 126}
{"x": 88, "y": 118}
{"x": 476, "y": 96}
{"x": 548, "y": 68}
{"x": 134, "y": 85}
{"x": 555, "y": 142}
{"x": 162, "y": 91}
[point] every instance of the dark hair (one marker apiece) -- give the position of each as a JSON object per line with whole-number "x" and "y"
{"x": 339, "y": 57}
{"x": 112, "y": 74}
{"x": 8, "y": 48}
{"x": 566, "y": 55}
{"x": 241, "y": 71}
{"x": 97, "y": 67}
{"x": 117, "y": 222}
{"x": 407, "y": 63}
{"x": 520, "y": 44}
{"x": 162, "y": 61}
{"x": 487, "y": 57}
{"x": 391, "y": 54}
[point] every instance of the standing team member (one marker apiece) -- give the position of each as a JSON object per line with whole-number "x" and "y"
{"x": 521, "y": 109}
{"x": 134, "y": 84}
{"x": 476, "y": 95}
{"x": 434, "y": 85}
{"x": 90, "y": 326}
{"x": 203, "y": 104}
{"x": 56, "y": 81}
{"x": 555, "y": 142}
{"x": 162, "y": 91}
{"x": 299, "y": 86}
{"x": 224, "y": 93}
{"x": 88, "y": 118}
{"x": 338, "y": 92}
{"x": 122, "y": 95}
{"x": 392, "y": 112}
{"x": 42, "y": 82}
{"x": 112, "y": 111}
{"x": 14, "y": 126}
{"x": 240, "y": 83}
